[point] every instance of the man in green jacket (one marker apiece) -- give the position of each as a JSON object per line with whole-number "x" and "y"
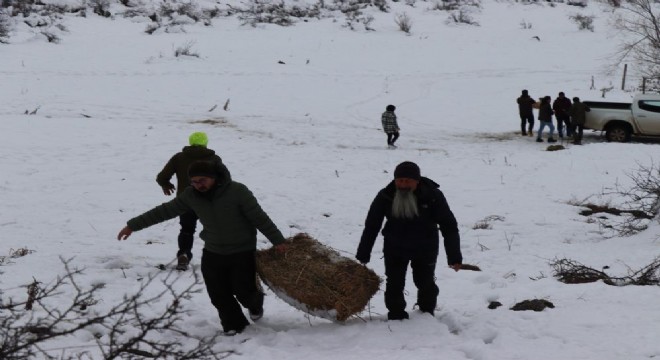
{"x": 230, "y": 216}
{"x": 178, "y": 165}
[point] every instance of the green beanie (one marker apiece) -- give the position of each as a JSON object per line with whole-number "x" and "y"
{"x": 198, "y": 138}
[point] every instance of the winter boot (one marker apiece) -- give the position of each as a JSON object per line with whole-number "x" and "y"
{"x": 182, "y": 262}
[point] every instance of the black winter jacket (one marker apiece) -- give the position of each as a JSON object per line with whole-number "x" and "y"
{"x": 179, "y": 163}
{"x": 412, "y": 237}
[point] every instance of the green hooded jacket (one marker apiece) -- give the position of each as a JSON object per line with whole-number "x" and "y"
{"x": 229, "y": 213}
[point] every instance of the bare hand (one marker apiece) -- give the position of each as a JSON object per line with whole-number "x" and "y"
{"x": 280, "y": 248}
{"x": 456, "y": 267}
{"x": 124, "y": 233}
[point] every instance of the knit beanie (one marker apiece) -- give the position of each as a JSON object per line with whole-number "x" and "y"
{"x": 407, "y": 169}
{"x": 202, "y": 168}
{"x": 198, "y": 139}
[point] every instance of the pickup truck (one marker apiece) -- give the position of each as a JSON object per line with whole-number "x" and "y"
{"x": 621, "y": 121}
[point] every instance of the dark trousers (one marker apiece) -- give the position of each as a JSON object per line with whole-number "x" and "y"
{"x": 561, "y": 121}
{"x": 423, "y": 272}
{"x": 391, "y": 137}
{"x": 580, "y": 130}
{"x": 188, "y": 222}
{"x": 230, "y": 283}
{"x": 524, "y": 120}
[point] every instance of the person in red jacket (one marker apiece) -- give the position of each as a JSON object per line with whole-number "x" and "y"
{"x": 414, "y": 208}
{"x": 178, "y": 165}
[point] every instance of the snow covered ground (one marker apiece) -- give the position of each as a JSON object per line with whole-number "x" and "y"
{"x": 113, "y": 104}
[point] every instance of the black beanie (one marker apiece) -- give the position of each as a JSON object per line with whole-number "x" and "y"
{"x": 407, "y": 169}
{"x": 202, "y": 168}
{"x": 390, "y": 108}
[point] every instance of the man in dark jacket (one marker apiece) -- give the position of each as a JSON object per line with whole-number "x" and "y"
{"x": 231, "y": 216}
{"x": 578, "y": 114}
{"x": 525, "y": 109}
{"x": 414, "y": 207}
{"x": 561, "y": 106}
{"x": 178, "y": 165}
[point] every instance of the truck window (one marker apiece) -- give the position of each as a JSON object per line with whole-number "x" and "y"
{"x": 650, "y": 105}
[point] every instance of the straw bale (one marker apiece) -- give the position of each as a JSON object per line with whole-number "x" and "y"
{"x": 317, "y": 279}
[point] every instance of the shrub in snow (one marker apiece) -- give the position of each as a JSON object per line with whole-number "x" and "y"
{"x": 461, "y": 16}
{"x": 584, "y": 22}
{"x": 147, "y": 323}
{"x": 185, "y": 50}
{"x": 580, "y": 3}
{"x": 5, "y": 27}
{"x": 404, "y": 22}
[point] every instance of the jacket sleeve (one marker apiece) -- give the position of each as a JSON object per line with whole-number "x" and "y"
{"x": 258, "y": 217}
{"x": 164, "y": 176}
{"x": 160, "y": 213}
{"x": 449, "y": 230}
{"x": 372, "y": 226}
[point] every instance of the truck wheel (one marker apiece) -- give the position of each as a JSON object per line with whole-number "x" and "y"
{"x": 618, "y": 133}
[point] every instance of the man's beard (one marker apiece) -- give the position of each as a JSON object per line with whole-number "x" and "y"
{"x": 404, "y": 205}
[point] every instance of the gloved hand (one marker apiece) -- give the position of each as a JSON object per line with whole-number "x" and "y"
{"x": 168, "y": 189}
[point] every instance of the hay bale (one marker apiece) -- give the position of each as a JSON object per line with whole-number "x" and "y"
{"x": 555, "y": 147}
{"x": 317, "y": 279}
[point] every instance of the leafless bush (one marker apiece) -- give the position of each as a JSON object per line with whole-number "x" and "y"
{"x": 100, "y": 7}
{"x": 151, "y": 28}
{"x": 185, "y": 50}
{"x": 583, "y": 22}
{"x": 146, "y": 324}
{"x": 5, "y": 27}
{"x": 486, "y": 223}
{"x": 579, "y": 3}
{"x": 640, "y": 25}
{"x": 462, "y": 16}
{"x": 404, "y": 22}
{"x": 346, "y": 6}
{"x": 265, "y": 12}
{"x": 572, "y": 272}
{"x": 641, "y": 200}
{"x": 453, "y": 5}
{"x": 20, "y": 252}
{"x": 525, "y": 24}
{"x": 52, "y": 38}
{"x": 357, "y": 17}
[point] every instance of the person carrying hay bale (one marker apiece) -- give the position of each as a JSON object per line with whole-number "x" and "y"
{"x": 414, "y": 207}
{"x": 231, "y": 217}
{"x": 316, "y": 279}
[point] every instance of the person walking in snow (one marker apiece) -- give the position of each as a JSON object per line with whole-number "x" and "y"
{"x": 578, "y": 113}
{"x": 390, "y": 126}
{"x": 178, "y": 165}
{"x": 525, "y": 109}
{"x": 231, "y": 216}
{"x": 545, "y": 118}
{"x": 414, "y": 206}
{"x": 561, "y": 106}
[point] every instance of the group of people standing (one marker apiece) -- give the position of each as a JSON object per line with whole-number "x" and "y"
{"x": 569, "y": 115}
{"x": 412, "y": 206}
